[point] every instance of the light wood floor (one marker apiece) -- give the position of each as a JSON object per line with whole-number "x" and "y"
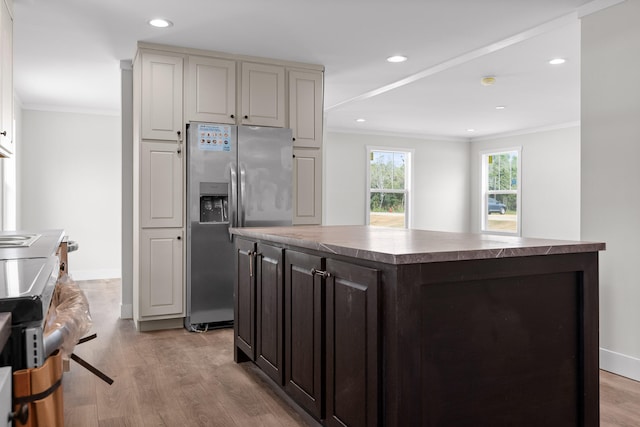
{"x": 178, "y": 378}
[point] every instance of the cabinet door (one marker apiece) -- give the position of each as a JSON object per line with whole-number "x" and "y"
{"x": 352, "y": 358}
{"x": 161, "y": 188}
{"x": 211, "y": 95}
{"x": 307, "y": 186}
{"x": 269, "y": 311}
{"x": 161, "y": 290}
{"x": 244, "y": 291}
{"x": 262, "y": 95}
{"x": 6, "y": 81}
{"x": 305, "y": 108}
{"x": 304, "y": 329}
{"x": 161, "y": 97}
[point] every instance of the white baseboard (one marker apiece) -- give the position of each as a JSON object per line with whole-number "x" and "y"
{"x": 620, "y": 364}
{"x": 96, "y": 274}
{"x": 126, "y": 311}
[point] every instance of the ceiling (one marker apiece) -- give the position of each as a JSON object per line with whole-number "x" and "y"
{"x": 67, "y": 56}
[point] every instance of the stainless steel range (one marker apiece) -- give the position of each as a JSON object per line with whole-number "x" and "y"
{"x": 29, "y": 270}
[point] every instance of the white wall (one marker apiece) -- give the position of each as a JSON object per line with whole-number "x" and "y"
{"x": 69, "y": 178}
{"x": 550, "y": 187}
{"x": 610, "y": 104}
{"x": 440, "y": 180}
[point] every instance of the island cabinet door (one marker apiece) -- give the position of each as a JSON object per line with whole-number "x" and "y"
{"x": 352, "y": 345}
{"x": 244, "y": 292}
{"x": 304, "y": 330}
{"x": 269, "y": 311}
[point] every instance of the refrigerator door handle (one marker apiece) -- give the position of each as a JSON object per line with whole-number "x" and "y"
{"x": 233, "y": 180}
{"x": 243, "y": 198}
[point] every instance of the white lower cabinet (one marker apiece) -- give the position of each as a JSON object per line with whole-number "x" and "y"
{"x": 160, "y": 290}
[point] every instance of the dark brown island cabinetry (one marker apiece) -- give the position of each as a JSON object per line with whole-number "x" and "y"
{"x": 328, "y": 316}
{"x": 366, "y": 326}
{"x": 259, "y": 306}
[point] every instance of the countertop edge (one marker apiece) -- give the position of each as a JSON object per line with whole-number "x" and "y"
{"x": 562, "y": 247}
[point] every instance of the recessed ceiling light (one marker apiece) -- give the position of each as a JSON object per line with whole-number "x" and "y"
{"x": 487, "y": 81}
{"x": 471, "y": 130}
{"x": 500, "y": 107}
{"x": 361, "y": 120}
{"x": 397, "y": 58}
{"x": 557, "y": 61}
{"x": 160, "y": 23}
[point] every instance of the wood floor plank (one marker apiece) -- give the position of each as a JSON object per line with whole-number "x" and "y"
{"x": 619, "y": 401}
{"x": 180, "y": 378}
{"x": 80, "y": 415}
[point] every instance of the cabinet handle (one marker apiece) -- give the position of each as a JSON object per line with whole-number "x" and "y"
{"x": 3, "y": 133}
{"x": 179, "y": 136}
{"x": 251, "y": 254}
{"x": 179, "y": 151}
{"x": 233, "y": 117}
{"x": 246, "y": 117}
{"x": 320, "y": 273}
{"x": 179, "y": 237}
{"x": 294, "y": 139}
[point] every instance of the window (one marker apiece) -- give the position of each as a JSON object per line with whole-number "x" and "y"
{"x": 388, "y": 173}
{"x": 501, "y": 192}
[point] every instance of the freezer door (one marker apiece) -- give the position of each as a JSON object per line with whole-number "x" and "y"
{"x": 211, "y": 159}
{"x": 265, "y": 161}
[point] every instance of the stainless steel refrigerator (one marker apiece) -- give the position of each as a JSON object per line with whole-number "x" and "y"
{"x": 237, "y": 176}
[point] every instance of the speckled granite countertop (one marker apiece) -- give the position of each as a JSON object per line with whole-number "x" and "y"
{"x": 401, "y": 246}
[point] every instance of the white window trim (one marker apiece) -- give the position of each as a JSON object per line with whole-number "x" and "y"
{"x": 484, "y": 216}
{"x": 408, "y": 214}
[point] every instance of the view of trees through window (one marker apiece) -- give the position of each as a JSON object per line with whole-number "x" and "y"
{"x": 501, "y": 196}
{"x": 388, "y": 188}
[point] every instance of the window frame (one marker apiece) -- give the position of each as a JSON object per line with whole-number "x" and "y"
{"x": 408, "y": 181}
{"x": 485, "y": 193}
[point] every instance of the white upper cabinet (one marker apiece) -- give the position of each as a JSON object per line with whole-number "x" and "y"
{"x": 6, "y": 79}
{"x": 263, "y": 95}
{"x": 211, "y": 90}
{"x": 307, "y": 186}
{"x": 305, "y": 108}
{"x": 161, "y": 96}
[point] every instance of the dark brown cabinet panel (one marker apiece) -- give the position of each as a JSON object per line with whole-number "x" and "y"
{"x": 352, "y": 338}
{"x": 269, "y": 311}
{"x": 304, "y": 330}
{"x": 244, "y": 324}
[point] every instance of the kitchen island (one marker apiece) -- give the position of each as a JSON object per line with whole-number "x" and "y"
{"x": 365, "y": 326}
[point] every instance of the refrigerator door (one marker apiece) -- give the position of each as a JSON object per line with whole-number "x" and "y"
{"x": 212, "y": 151}
{"x": 265, "y": 161}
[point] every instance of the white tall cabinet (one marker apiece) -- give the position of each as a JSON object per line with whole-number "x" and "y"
{"x": 305, "y": 119}
{"x": 159, "y": 182}
{"x": 173, "y": 86}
